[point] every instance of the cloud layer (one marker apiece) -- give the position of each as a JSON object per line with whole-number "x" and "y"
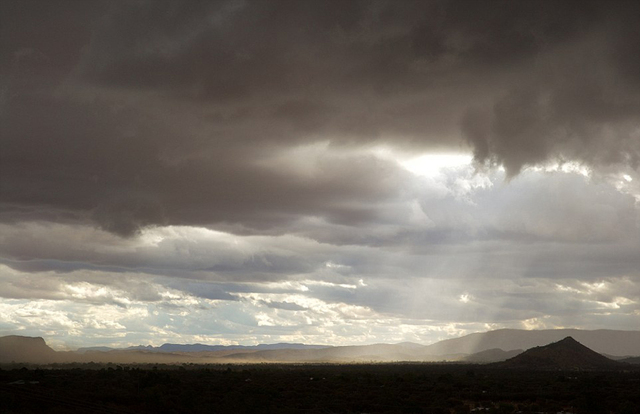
{"x": 278, "y": 168}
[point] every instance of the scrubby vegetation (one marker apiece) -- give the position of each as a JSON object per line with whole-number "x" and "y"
{"x": 377, "y": 388}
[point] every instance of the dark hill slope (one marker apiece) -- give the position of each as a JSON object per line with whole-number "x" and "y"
{"x": 566, "y": 354}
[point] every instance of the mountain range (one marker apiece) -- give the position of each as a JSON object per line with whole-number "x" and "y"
{"x": 603, "y": 341}
{"x": 486, "y": 347}
{"x": 201, "y": 347}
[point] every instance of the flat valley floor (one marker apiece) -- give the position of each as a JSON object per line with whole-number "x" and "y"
{"x": 311, "y": 388}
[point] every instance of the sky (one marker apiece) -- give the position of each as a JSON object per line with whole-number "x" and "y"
{"x": 326, "y": 172}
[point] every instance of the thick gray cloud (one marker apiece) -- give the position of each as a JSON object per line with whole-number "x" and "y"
{"x": 257, "y": 165}
{"x": 175, "y": 113}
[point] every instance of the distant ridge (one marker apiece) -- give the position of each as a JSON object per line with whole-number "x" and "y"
{"x": 605, "y": 341}
{"x": 202, "y": 347}
{"x": 484, "y": 347}
{"x": 339, "y": 354}
{"x": 567, "y": 354}
{"x": 491, "y": 355}
{"x": 610, "y": 342}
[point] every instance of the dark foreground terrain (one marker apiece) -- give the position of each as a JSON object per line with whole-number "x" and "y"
{"x": 377, "y": 388}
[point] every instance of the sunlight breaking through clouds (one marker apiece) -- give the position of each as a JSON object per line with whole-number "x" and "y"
{"x": 430, "y": 165}
{"x": 405, "y": 171}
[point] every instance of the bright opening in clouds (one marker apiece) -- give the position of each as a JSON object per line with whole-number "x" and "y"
{"x": 430, "y": 165}
{"x": 320, "y": 172}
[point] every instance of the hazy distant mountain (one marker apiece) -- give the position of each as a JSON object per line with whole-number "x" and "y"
{"x": 565, "y": 354}
{"x": 363, "y": 353}
{"x": 94, "y": 349}
{"x": 15, "y": 348}
{"x": 213, "y": 348}
{"x": 201, "y": 347}
{"x": 605, "y": 341}
{"x": 491, "y": 355}
{"x": 469, "y": 348}
{"x": 406, "y": 351}
{"x": 475, "y": 348}
{"x": 410, "y": 345}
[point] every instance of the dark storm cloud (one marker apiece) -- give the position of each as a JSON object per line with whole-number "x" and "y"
{"x": 149, "y": 113}
{"x": 540, "y": 225}
{"x": 578, "y": 100}
{"x": 110, "y": 166}
{"x": 189, "y": 255}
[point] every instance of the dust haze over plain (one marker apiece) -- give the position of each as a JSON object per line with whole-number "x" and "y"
{"x": 190, "y": 171}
